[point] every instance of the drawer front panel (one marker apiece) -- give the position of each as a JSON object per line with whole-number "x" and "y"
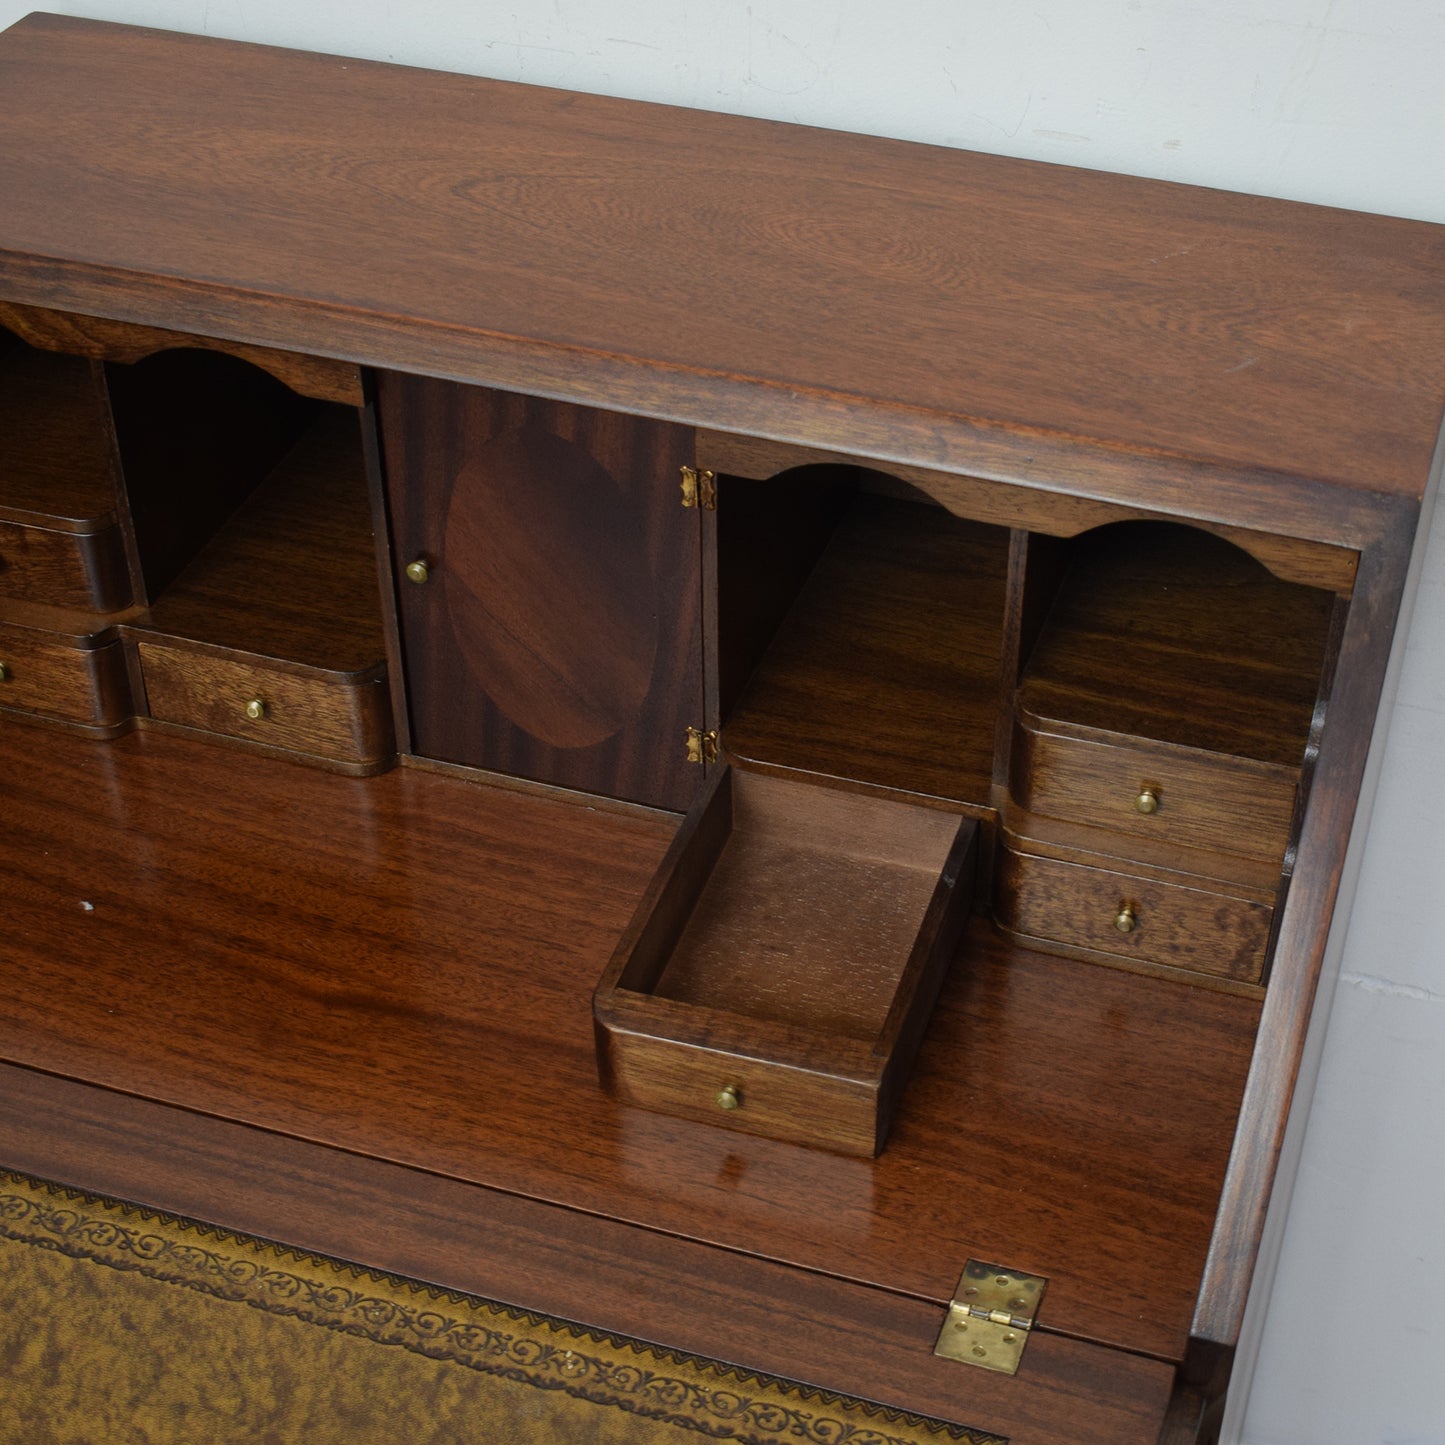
{"x": 1230, "y": 805}
{"x": 1081, "y": 906}
{"x": 53, "y": 677}
{"x": 348, "y": 723}
{"x": 84, "y": 570}
{"x": 768, "y": 1098}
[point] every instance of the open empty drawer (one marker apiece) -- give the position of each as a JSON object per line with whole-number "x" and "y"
{"x": 779, "y": 973}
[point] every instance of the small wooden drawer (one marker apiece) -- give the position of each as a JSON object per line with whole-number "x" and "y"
{"x": 76, "y": 679}
{"x": 779, "y": 974}
{"x": 1131, "y": 917}
{"x": 332, "y": 717}
{"x": 50, "y": 565}
{"x": 1155, "y": 792}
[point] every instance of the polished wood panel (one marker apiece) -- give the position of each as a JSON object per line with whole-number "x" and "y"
{"x": 66, "y": 569}
{"x": 1234, "y": 805}
{"x": 342, "y": 720}
{"x": 55, "y": 459}
{"x": 790, "y": 951}
{"x": 816, "y": 291}
{"x": 402, "y": 970}
{"x": 766, "y": 539}
{"x": 600, "y": 1272}
{"x": 1168, "y": 862}
{"x": 558, "y": 635}
{"x": 105, "y": 340}
{"x": 982, "y": 499}
{"x": 887, "y": 669}
{"x": 74, "y": 678}
{"x": 760, "y": 278}
{"x": 1305, "y": 946}
{"x": 1066, "y": 902}
{"x": 59, "y": 538}
{"x": 1165, "y": 632}
{"x": 291, "y": 575}
{"x": 197, "y": 431}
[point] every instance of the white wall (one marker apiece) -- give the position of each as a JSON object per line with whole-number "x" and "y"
{"x": 1335, "y": 101}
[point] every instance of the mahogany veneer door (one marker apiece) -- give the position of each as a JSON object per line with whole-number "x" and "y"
{"x": 557, "y": 634}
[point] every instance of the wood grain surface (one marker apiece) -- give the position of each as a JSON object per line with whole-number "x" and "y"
{"x": 198, "y": 431}
{"x": 812, "y": 908}
{"x": 55, "y": 453}
{"x": 1329, "y": 853}
{"x": 1167, "y": 633}
{"x": 401, "y": 967}
{"x": 79, "y": 679}
{"x": 960, "y": 311}
{"x": 1182, "y": 927}
{"x": 291, "y": 575}
{"x": 612, "y": 1276}
{"x": 799, "y": 967}
{"x": 1233, "y": 805}
{"x": 886, "y": 670}
{"x": 104, "y": 340}
{"x": 60, "y": 541}
{"x": 558, "y": 635}
{"x": 64, "y": 568}
{"x": 1312, "y": 564}
{"x": 344, "y": 719}
{"x": 398, "y": 969}
{"x": 759, "y": 546}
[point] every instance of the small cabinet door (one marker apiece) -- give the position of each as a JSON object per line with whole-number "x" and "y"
{"x": 549, "y": 588}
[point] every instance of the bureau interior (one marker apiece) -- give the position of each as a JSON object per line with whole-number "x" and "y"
{"x": 186, "y": 541}
{"x": 1166, "y": 704}
{"x": 59, "y": 542}
{"x": 882, "y": 665}
{"x": 1167, "y": 632}
{"x": 251, "y": 511}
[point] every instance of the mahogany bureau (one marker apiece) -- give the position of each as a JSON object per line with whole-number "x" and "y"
{"x": 726, "y": 731}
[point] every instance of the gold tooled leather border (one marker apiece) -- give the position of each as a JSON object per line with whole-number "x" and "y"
{"x": 713, "y": 1399}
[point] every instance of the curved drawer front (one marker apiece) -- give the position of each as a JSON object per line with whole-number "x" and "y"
{"x": 61, "y": 677}
{"x": 1157, "y": 794}
{"x": 84, "y": 570}
{"x": 320, "y": 714}
{"x": 1131, "y": 917}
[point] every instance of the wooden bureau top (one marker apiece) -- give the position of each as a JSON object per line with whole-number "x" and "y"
{"x": 1034, "y": 323}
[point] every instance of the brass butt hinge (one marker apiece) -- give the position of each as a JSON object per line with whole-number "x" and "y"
{"x": 990, "y": 1318}
{"x": 699, "y": 488}
{"x": 701, "y": 747}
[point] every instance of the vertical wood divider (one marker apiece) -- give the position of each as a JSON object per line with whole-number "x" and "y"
{"x": 385, "y": 567}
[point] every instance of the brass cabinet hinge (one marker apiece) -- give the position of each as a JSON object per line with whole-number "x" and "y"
{"x": 699, "y": 488}
{"x": 701, "y": 747}
{"x": 989, "y": 1321}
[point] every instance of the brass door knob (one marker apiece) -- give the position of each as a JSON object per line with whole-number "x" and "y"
{"x": 256, "y": 709}
{"x": 1148, "y": 800}
{"x": 729, "y": 1098}
{"x": 417, "y": 571}
{"x": 1126, "y": 920}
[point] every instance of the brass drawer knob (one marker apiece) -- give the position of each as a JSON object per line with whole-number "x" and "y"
{"x": 1148, "y": 800}
{"x": 417, "y": 571}
{"x": 1126, "y": 920}
{"x": 4, "y": 673}
{"x": 256, "y": 709}
{"x": 729, "y": 1098}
